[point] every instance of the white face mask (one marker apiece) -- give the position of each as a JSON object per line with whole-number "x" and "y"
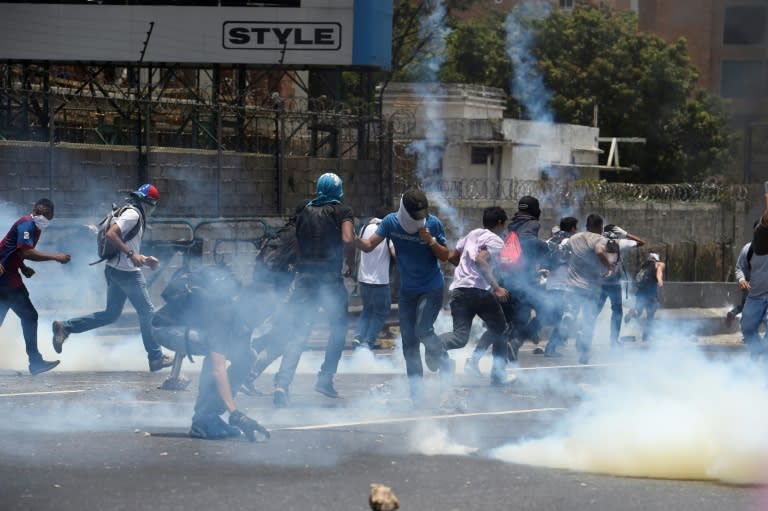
{"x": 40, "y": 221}
{"x": 149, "y": 209}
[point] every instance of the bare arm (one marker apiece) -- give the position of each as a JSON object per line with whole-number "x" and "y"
{"x": 454, "y": 257}
{"x": 485, "y": 268}
{"x": 367, "y": 245}
{"x": 438, "y": 250}
{"x": 115, "y": 236}
{"x": 640, "y": 242}
{"x": 219, "y": 370}
{"x": 660, "y": 274}
{"x": 348, "y": 237}
{"x": 33, "y": 254}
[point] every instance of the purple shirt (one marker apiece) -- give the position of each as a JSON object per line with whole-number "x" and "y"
{"x": 467, "y": 273}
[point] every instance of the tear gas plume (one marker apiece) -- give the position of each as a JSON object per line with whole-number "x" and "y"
{"x": 431, "y": 439}
{"x": 527, "y": 83}
{"x": 669, "y": 414}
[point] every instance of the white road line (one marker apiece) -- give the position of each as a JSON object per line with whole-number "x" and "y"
{"x": 414, "y": 419}
{"x": 43, "y": 393}
{"x": 577, "y": 366}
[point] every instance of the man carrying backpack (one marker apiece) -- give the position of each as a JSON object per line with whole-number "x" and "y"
{"x": 619, "y": 240}
{"x": 124, "y": 279}
{"x": 648, "y": 279}
{"x": 16, "y": 247}
{"x": 523, "y": 283}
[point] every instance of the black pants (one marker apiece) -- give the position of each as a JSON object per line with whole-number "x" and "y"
{"x": 466, "y": 303}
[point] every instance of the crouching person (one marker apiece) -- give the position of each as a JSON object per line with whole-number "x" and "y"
{"x": 202, "y": 318}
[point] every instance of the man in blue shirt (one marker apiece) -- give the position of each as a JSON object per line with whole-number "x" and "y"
{"x": 16, "y": 247}
{"x": 420, "y": 244}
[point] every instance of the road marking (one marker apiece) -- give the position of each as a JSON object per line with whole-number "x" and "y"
{"x": 576, "y": 366}
{"x": 43, "y": 393}
{"x": 414, "y": 419}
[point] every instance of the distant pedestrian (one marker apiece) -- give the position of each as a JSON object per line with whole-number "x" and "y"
{"x": 373, "y": 284}
{"x": 420, "y": 245}
{"x": 649, "y": 279}
{"x": 16, "y": 247}
{"x": 125, "y": 281}
{"x": 742, "y": 274}
{"x": 557, "y": 282}
{"x": 619, "y": 241}
{"x": 588, "y": 265}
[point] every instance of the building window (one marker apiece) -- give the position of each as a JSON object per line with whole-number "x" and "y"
{"x": 567, "y": 4}
{"x": 744, "y": 24}
{"x": 742, "y": 79}
{"x": 482, "y": 155}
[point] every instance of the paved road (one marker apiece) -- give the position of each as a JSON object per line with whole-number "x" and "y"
{"x": 110, "y": 440}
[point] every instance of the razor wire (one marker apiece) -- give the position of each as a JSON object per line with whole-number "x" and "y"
{"x": 579, "y": 191}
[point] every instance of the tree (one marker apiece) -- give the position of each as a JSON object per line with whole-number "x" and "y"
{"x": 593, "y": 58}
{"x": 642, "y": 86}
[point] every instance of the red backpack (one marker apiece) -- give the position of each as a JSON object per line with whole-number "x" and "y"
{"x": 511, "y": 255}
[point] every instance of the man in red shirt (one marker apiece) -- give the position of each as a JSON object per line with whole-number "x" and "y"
{"x": 16, "y": 247}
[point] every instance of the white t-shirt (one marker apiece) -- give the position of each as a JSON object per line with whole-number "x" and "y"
{"x": 374, "y": 265}
{"x": 126, "y": 221}
{"x": 467, "y": 273}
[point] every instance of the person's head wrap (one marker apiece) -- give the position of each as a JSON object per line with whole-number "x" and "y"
{"x": 653, "y": 256}
{"x": 329, "y": 190}
{"x": 413, "y": 211}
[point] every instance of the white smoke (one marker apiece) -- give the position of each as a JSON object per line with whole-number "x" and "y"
{"x": 664, "y": 414}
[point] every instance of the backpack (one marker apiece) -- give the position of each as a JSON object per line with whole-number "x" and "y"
{"x": 105, "y": 249}
{"x": 278, "y": 250}
{"x": 511, "y": 254}
{"x": 646, "y": 275}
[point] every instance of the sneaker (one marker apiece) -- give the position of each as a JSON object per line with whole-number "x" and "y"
{"x": 503, "y": 381}
{"x": 729, "y": 319}
{"x": 280, "y": 397}
{"x": 356, "y": 343}
{"x": 538, "y": 350}
{"x": 160, "y": 363}
{"x": 60, "y": 334}
{"x": 472, "y": 368}
{"x": 41, "y": 366}
{"x": 433, "y": 356}
{"x": 584, "y": 359}
{"x": 325, "y": 387}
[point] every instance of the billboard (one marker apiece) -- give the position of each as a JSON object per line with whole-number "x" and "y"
{"x": 301, "y": 33}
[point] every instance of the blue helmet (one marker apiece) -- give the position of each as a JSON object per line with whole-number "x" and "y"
{"x": 147, "y": 193}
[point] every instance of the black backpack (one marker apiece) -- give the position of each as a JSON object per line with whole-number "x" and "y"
{"x": 278, "y": 250}
{"x": 105, "y": 248}
{"x": 646, "y": 275}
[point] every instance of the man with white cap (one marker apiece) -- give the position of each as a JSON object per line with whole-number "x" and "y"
{"x": 420, "y": 245}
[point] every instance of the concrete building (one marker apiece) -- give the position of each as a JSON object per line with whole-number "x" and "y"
{"x": 465, "y": 124}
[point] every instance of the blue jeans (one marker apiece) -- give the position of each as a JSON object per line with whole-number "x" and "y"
{"x": 466, "y": 303}
{"x": 17, "y": 300}
{"x": 311, "y": 294}
{"x": 752, "y": 315}
{"x": 584, "y": 300}
{"x": 122, "y": 285}
{"x": 377, "y": 302}
{"x": 613, "y": 293}
{"x": 417, "y": 314}
{"x": 209, "y": 402}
